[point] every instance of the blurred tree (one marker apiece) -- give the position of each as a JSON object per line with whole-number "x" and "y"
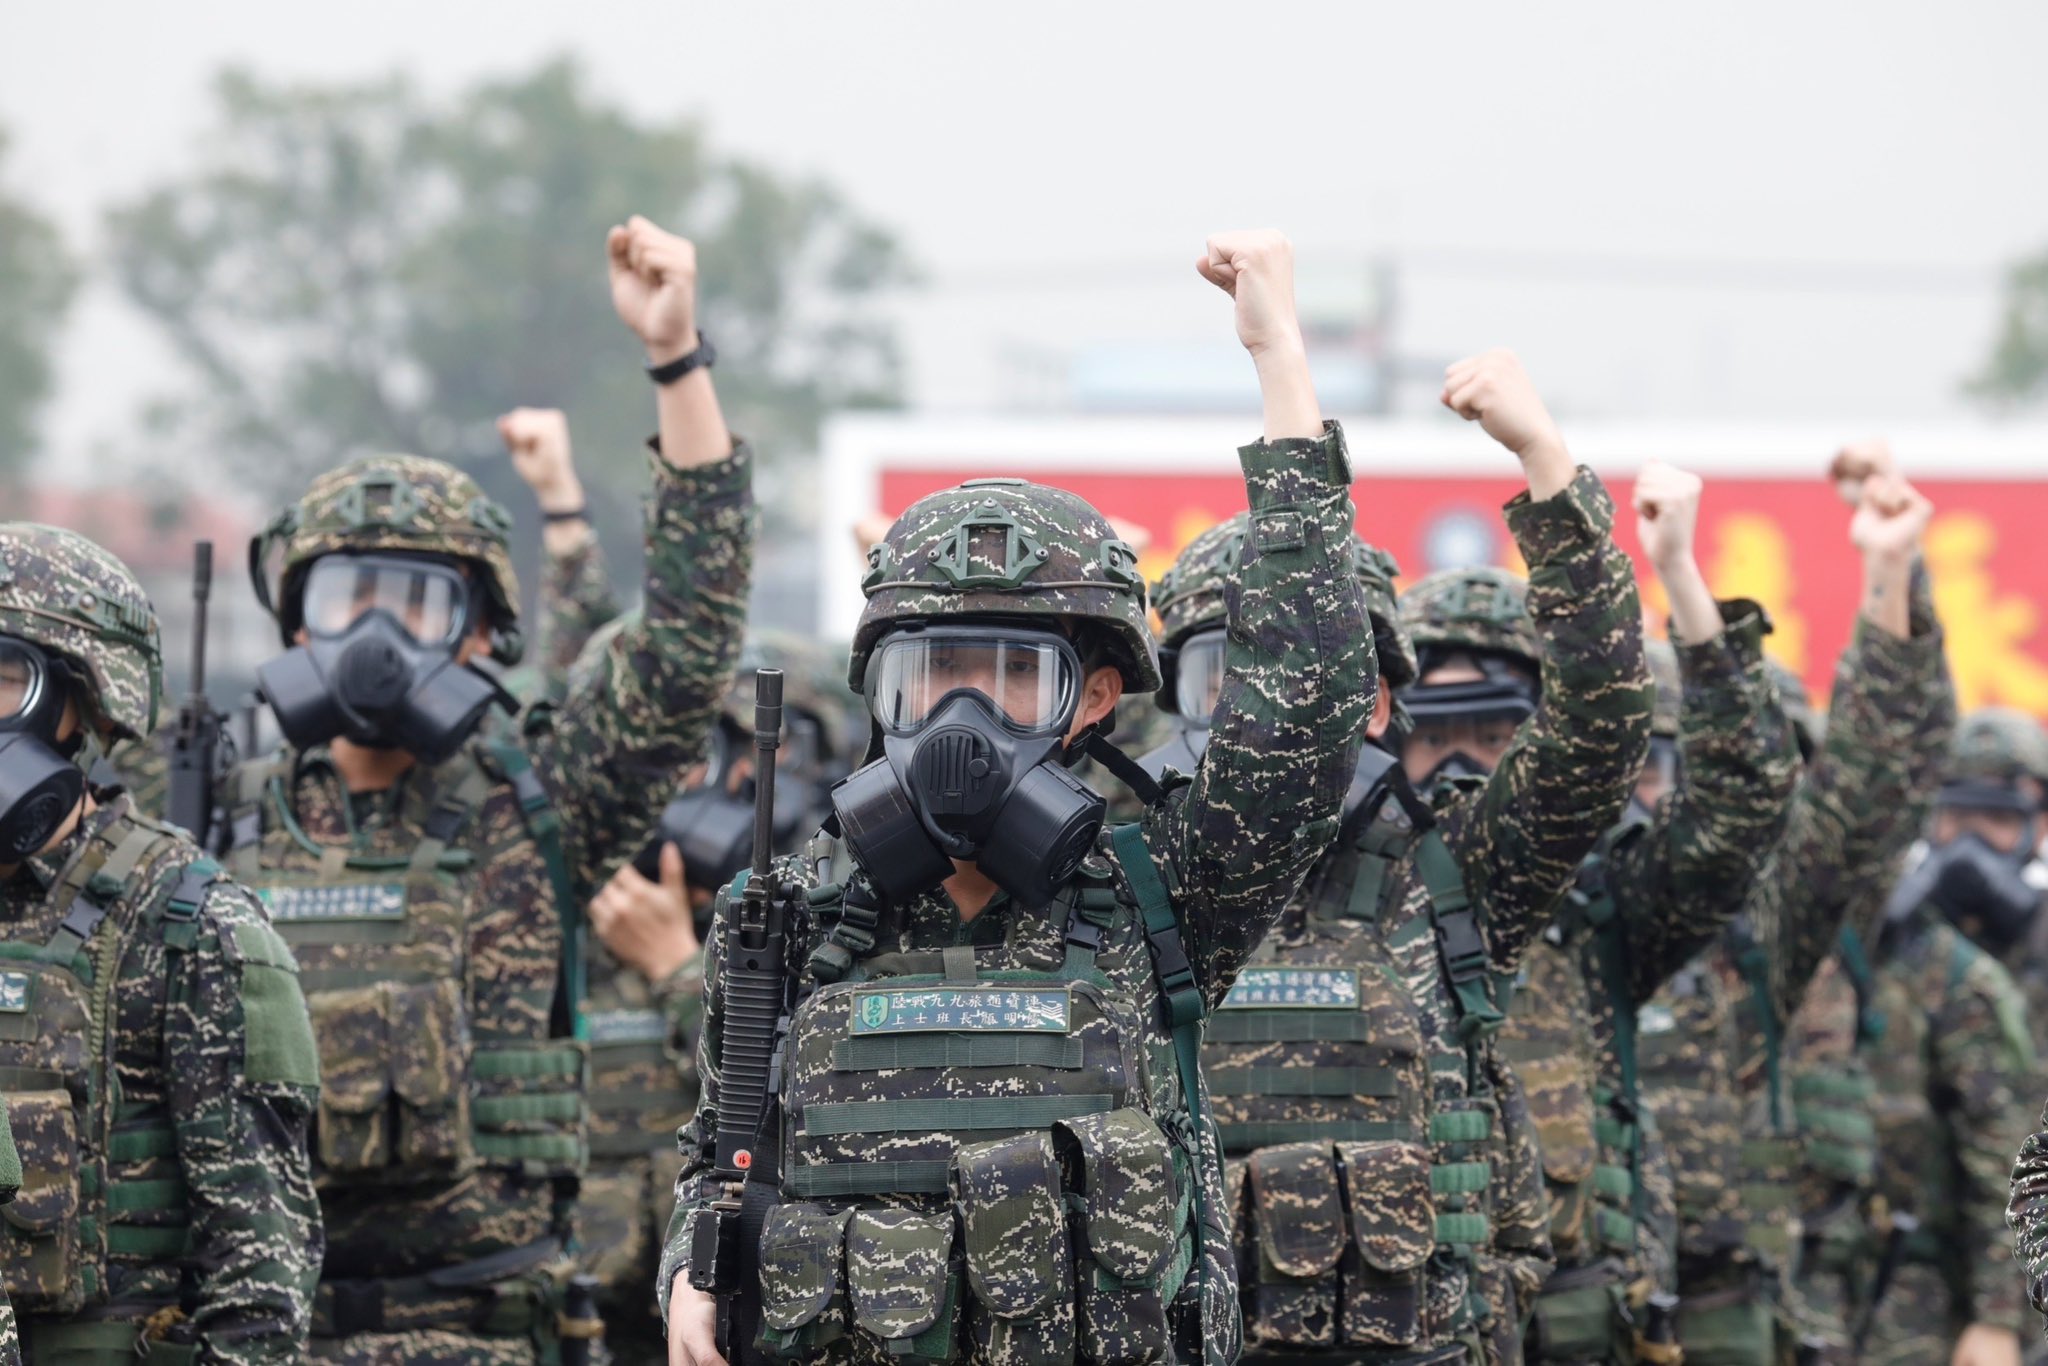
{"x": 37, "y": 281}
{"x": 355, "y": 267}
{"x": 2017, "y": 370}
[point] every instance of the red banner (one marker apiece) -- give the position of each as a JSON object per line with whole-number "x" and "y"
{"x": 1782, "y": 542}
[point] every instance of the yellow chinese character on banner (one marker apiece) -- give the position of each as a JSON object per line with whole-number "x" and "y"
{"x": 1988, "y": 631}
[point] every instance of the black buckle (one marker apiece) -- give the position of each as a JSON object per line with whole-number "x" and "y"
{"x": 1464, "y": 951}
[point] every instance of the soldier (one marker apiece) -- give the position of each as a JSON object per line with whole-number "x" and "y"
{"x": 1710, "y": 803}
{"x": 159, "y": 1066}
{"x": 576, "y": 594}
{"x": 999, "y": 1003}
{"x": 1331, "y": 1059}
{"x": 2028, "y": 1214}
{"x": 431, "y": 875}
{"x": 1710, "y": 1050}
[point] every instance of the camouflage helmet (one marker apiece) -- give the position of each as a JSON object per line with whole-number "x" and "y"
{"x": 1809, "y": 727}
{"x": 1189, "y": 596}
{"x": 1007, "y": 547}
{"x": 1479, "y": 608}
{"x": 1662, "y": 657}
{"x": 1996, "y": 747}
{"x": 401, "y": 503}
{"x": 60, "y": 591}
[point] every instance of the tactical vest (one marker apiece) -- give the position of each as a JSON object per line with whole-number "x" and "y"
{"x": 409, "y": 1094}
{"x": 1833, "y": 1100}
{"x": 972, "y": 1164}
{"x": 1359, "y": 1186}
{"x": 637, "y": 1100}
{"x": 103, "y": 1185}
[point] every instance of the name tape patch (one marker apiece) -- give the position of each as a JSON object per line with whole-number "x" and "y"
{"x": 14, "y": 992}
{"x": 1303, "y": 988}
{"x": 1033, "y": 1010}
{"x": 626, "y": 1026}
{"x": 350, "y": 901}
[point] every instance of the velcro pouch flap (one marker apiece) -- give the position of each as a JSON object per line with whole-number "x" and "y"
{"x": 355, "y": 1048}
{"x": 1393, "y": 1215}
{"x": 1124, "y": 1170}
{"x": 896, "y": 1269}
{"x": 46, "y": 1135}
{"x": 1297, "y": 1210}
{"x": 1561, "y": 1104}
{"x": 428, "y": 1071}
{"x": 802, "y": 1263}
{"x": 1013, "y": 1220}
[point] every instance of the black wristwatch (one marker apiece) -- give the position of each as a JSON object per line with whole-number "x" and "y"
{"x": 668, "y": 372}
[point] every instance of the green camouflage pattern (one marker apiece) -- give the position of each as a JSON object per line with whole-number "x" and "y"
{"x": 1480, "y": 608}
{"x": 620, "y": 734}
{"x": 1998, "y": 745}
{"x": 10, "y": 1185}
{"x": 577, "y": 600}
{"x": 391, "y": 502}
{"x": 1662, "y": 657}
{"x": 209, "y": 1033}
{"x": 2027, "y": 1213}
{"x": 1013, "y": 548}
{"x": 1299, "y": 685}
{"x": 1809, "y": 724}
{"x": 67, "y": 595}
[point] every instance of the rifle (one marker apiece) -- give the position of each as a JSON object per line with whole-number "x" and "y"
{"x": 755, "y": 986}
{"x": 195, "y": 744}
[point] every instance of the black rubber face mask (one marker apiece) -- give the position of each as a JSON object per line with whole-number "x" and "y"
{"x": 376, "y": 686}
{"x": 40, "y": 784}
{"x": 1984, "y": 893}
{"x": 966, "y": 776}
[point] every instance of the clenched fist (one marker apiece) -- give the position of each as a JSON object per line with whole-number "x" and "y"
{"x": 538, "y": 441}
{"x": 1256, "y": 268}
{"x": 1857, "y": 462}
{"x": 654, "y": 287}
{"x": 1667, "y": 501}
{"x": 1494, "y": 390}
{"x": 1891, "y": 517}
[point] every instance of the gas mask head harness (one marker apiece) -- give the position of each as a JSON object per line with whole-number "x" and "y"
{"x": 1503, "y": 695}
{"x": 973, "y": 720}
{"x": 378, "y": 666}
{"x": 42, "y": 779}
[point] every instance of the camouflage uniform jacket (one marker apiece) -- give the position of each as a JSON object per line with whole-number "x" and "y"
{"x": 1299, "y": 685}
{"x": 10, "y": 1186}
{"x": 1711, "y": 1076}
{"x": 2028, "y": 1213}
{"x": 1668, "y": 884}
{"x": 209, "y": 1040}
{"x": 576, "y": 598}
{"x": 598, "y": 756}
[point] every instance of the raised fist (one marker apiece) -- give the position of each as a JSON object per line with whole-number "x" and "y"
{"x": 1256, "y": 268}
{"x": 1858, "y": 461}
{"x": 538, "y": 440}
{"x": 654, "y": 287}
{"x": 1667, "y": 503}
{"x": 1891, "y": 516}
{"x": 1494, "y": 390}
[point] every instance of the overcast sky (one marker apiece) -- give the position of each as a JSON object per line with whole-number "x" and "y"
{"x": 1752, "y": 211}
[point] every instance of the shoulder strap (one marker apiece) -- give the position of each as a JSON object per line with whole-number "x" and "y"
{"x": 1460, "y": 944}
{"x": 544, "y": 828}
{"x": 251, "y": 782}
{"x": 1755, "y": 967}
{"x": 1870, "y": 1022}
{"x": 1594, "y": 897}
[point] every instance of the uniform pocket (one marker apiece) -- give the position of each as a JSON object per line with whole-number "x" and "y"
{"x": 1298, "y": 1224}
{"x": 430, "y": 1029}
{"x": 1392, "y": 1220}
{"x": 1120, "y": 1169}
{"x": 803, "y": 1277}
{"x": 352, "y": 1130}
{"x": 394, "y": 1095}
{"x": 1014, "y": 1230}
{"x": 41, "y": 1262}
{"x": 899, "y": 1280}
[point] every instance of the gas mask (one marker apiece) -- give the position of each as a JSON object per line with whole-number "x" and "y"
{"x": 379, "y": 665}
{"x": 973, "y": 722}
{"x": 1193, "y": 671}
{"x": 711, "y": 823}
{"x": 41, "y": 781}
{"x": 1984, "y": 893}
{"x": 1500, "y": 697}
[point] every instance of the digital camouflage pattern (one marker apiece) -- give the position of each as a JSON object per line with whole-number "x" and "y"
{"x": 1298, "y": 687}
{"x": 65, "y": 594}
{"x": 390, "y": 502}
{"x": 576, "y": 600}
{"x": 1666, "y": 883}
{"x": 1479, "y": 607}
{"x": 603, "y": 756}
{"x": 1717, "y": 1091}
{"x": 1014, "y": 548}
{"x": 210, "y": 1043}
{"x": 10, "y": 1186}
{"x": 2028, "y": 1214}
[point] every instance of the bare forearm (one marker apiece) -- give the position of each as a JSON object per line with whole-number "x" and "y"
{"x": 693, "y": 430}
{"x": 1695, "y": 615}
{"x": 1887, "y": 585}
{"x": 1288, "y": 393}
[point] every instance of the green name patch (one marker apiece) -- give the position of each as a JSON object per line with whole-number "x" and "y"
{"x": 626, "y": 1026}
{"x": 1301, "y": 988}
{"x": 349, "y": 901}
{"x": 968, "y": 1008}
{"x": 14, "y": 992}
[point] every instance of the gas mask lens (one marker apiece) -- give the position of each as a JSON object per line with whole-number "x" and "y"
{"x": 22, "y": 680}
{"x": 1033, "y": 679}
{"x": 428, "y": 600}
{"x": 1198, "y": 676}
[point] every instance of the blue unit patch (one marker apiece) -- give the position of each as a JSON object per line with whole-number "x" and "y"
{"x": 1302, "y": 988}
{"x": 1031, "y": 1010}
{"x": 349, "y": 901}
{"x": 14, "y": 992}
{"x": 627, "y": 1026}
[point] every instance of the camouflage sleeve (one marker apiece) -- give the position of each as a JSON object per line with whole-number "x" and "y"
{"x": 1298, "y": 686}
{"x": 680, "y": 998}
{"x": 2027, "y": 1215}
{"x": 576, "y": 597}
{"x": 242, "y": 1081}
{"x": 1859, "y": 804}
{"x": 1570, "y": 770}
{"x": 1981, "y": 1054}
{"x": 1521, "y": 1258}
{"x": 1688, "y": 875}
{"x": 615, "y": 744}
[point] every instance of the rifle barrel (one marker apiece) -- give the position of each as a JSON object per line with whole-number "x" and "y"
{"x": 767, "y": 739}
{"x": 202, "y": 593}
